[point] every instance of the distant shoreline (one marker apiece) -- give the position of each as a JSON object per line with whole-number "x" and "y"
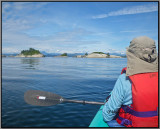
{"x": 36, "y": 53}
{"x": 111, "y": 56}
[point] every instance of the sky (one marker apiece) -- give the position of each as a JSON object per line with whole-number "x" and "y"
{"x": 76, "y": 27}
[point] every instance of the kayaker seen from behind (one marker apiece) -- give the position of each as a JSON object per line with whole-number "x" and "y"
{"x": 134, "y": 98}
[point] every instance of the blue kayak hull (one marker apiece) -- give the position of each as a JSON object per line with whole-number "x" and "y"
{"x": 98, "y": 119}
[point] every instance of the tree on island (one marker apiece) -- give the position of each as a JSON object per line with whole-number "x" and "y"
{"x": 31, "y": 51}
{"x": 98, "y": 52}
{"x": 64, "y": 54}
{"x": 108, "y": 54}
{"x": 86, "y": 54}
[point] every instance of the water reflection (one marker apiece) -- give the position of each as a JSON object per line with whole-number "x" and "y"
{"x": 31, "y": 62}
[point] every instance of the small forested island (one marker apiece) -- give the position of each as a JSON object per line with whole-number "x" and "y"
{"x": 98, "y": 55}
{"x": 62, "y": 55}
{"x": 30, "y": 53}
{"x": 98, "y": 52}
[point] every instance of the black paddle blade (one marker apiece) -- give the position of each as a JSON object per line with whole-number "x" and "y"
{"x": 42, "y": 98}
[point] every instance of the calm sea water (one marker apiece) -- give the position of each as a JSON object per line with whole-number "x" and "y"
{"x": 88, "y": 79}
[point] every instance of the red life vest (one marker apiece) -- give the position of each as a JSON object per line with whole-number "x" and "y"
{"x": 143, "y": 111}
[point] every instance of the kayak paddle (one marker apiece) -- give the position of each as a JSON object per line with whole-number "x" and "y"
{"x": 43, "y": 98}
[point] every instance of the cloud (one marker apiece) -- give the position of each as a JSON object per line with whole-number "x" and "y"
{"x": 33, "y": 24}
{"x": 9, "y": 50}
{"x": 130, "y": 10}
{"x": 20, "y": 25}
{"x": 6, "y": 6}
{"x": 135, "y": 31}
{"x": 103, "y": 34}
{"x": 65, "y": 40}
{"x": 15, "y": 16}
{"x": 16, "y": 10}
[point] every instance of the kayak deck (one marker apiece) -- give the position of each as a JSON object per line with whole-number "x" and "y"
{"x": 98, "y": 120}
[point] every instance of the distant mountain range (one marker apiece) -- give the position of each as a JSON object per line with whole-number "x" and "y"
{"x": 57, "y": 54}
{"x": 9, "y": 54}
{"x": 118, "y": 54}
{"x": 75, "y": 54}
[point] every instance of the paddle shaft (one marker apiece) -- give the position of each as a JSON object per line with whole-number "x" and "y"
{"x": 77, "y": 101}
{"x": 83, "y": 102}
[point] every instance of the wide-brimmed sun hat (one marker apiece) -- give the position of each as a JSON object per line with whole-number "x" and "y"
{"x": 141, "y": 56}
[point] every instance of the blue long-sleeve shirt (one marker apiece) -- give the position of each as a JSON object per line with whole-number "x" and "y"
{"x": 120, "y": 95}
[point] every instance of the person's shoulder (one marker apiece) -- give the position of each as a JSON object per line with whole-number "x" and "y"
{"x": 123, "y": 77}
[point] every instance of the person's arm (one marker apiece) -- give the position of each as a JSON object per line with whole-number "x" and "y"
{"x": 115, "y": 101}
